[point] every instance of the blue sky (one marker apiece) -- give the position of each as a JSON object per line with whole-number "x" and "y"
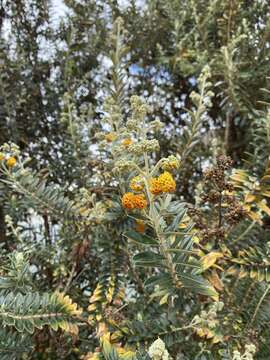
{"x": 59, "y": 8}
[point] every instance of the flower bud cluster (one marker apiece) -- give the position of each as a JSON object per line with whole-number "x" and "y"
{"x": 250, "y": 350}
{"x": 206, "y": 323}
{"x": 170, "y": 163}
{"x": 137, "y": 183}
{"x": 9, "y": 153}
{"x": 158, "y": 351}
{"x": 144, "y": 146}
{"x": 123, "y": 166}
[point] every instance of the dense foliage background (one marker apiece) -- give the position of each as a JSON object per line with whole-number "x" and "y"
{"x": 177, "y": 93}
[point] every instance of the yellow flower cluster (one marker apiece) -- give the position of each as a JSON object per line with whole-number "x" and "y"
{"x": 155, "y": 187}
{"x": 10, "y": 161}
{"x": 162, "y": 184}
{"x": 110, "y": 137}
{"x": 126, "y": 142}
{"x": 134, "y": 201}
{"x": 137, "y": 183}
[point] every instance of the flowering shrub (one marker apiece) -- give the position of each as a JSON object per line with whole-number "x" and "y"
{"x": 125, "y": 266}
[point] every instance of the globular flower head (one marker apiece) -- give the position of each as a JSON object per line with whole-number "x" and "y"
{"x": 156, "y": 125}
{"x": 167, "y": 182}
{"x": 144, "y": 146}
{"x": 132, "y": 201}
{"x": 155, "y": 187}
{"x": 150, "y": 145}
{"x": 123, "y": 165}
{"x": 128, "y": 201}
{"x": 126, "y": 142}
{"x": 9, "y": 152}
{"x": 137, "y": 183}
{"x": 11, "y": 161}
{"x": 162, "y": 184}
{"x": 158, "y": 351}
{"x": 132, "y": 124}
{"x": 110, "y": 137}
{"x": 170, "y": 163}
{"x": 140, "y": 201}
{"x": 135, "y": 101}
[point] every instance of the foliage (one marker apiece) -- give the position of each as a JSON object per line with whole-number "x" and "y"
{"x": 134, "y": 181}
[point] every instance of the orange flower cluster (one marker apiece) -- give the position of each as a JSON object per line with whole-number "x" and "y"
{"x": 134, "y": 201}
{"x": 11, "y": 162}
{"x": 110, "y": 137}
{"x": 165, "y": 183}
{"x": 127, "y": 142}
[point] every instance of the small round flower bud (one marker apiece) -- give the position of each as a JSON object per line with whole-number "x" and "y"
{"x": 158, "y": 351}
{"x": 137, "y": 183}
{"x": 170, "y": 163}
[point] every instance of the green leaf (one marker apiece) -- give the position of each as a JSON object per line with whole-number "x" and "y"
{"x": 140, "y": 238}
{"x": 148, "y": 258}
{"x": 177, "y": 220}
{"x": 161, "y": 279}
{"x": 197, "y": 284}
